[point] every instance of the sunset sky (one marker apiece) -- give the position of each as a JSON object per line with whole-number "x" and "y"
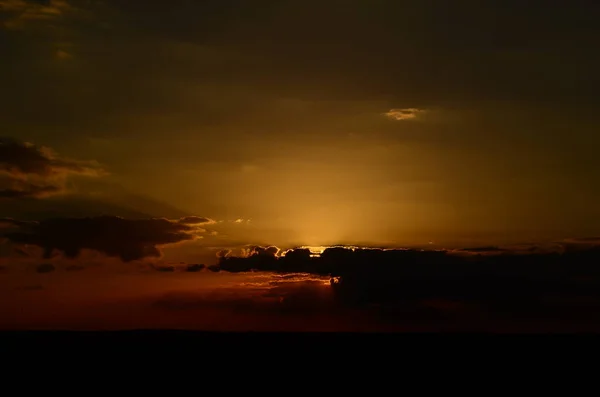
{"x": 385, "y": 123}
{"x": 378, "y": 122}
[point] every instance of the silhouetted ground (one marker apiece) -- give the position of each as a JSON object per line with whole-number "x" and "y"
{"x": 252, "y": 351}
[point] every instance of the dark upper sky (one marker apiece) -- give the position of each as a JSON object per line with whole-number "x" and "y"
{"x": 355, "y": 121}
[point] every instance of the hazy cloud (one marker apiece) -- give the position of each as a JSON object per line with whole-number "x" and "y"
{"x": 17, "y": 13}
{"x": 21, "y": 159}
{"x": 9, "y": 222}
{"x": 29, "y": 191}
{"x": 27, "y": 170}
{"x": 580, "y": 244}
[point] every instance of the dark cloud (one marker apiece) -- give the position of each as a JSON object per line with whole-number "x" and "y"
{"x": 485, "y": 249}
{"x": 165, "y": 269}
{"x": 195, "y": 268}
{"x": 116, "y": 237}
{"x": 23, "y": 159}
{"x": 214, "y": 268}
{"x": 445, "y": 283}
{"x": 29, "y": 192}
{"x": 30, "y": 171}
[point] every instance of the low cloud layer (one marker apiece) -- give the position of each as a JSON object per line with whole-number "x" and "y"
{"x": 127, "y": 239}
{"x": 337, "y": 261}
{"x": 406, "y": 295}
{"x": 29, "y": 171}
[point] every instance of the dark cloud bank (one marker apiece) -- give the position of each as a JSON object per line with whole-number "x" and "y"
{"x": 127, "y": 239}
{"x": 478, "y": 286}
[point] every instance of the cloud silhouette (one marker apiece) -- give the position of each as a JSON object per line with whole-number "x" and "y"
{"x": 126, "y": 239}
{"x": 192, "y": 268}
{"x": 30, "y": 171}
{"x": 522, "y": 282}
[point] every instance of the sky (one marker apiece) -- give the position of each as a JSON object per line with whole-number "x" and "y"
{"x": 139, "y": 137}
{"x": 290, "y": 123}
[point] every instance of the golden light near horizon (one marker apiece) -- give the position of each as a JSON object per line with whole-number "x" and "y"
{"x": 315, "y": 251}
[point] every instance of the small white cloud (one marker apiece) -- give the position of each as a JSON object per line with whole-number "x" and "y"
{"x": 404, "y": 114}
